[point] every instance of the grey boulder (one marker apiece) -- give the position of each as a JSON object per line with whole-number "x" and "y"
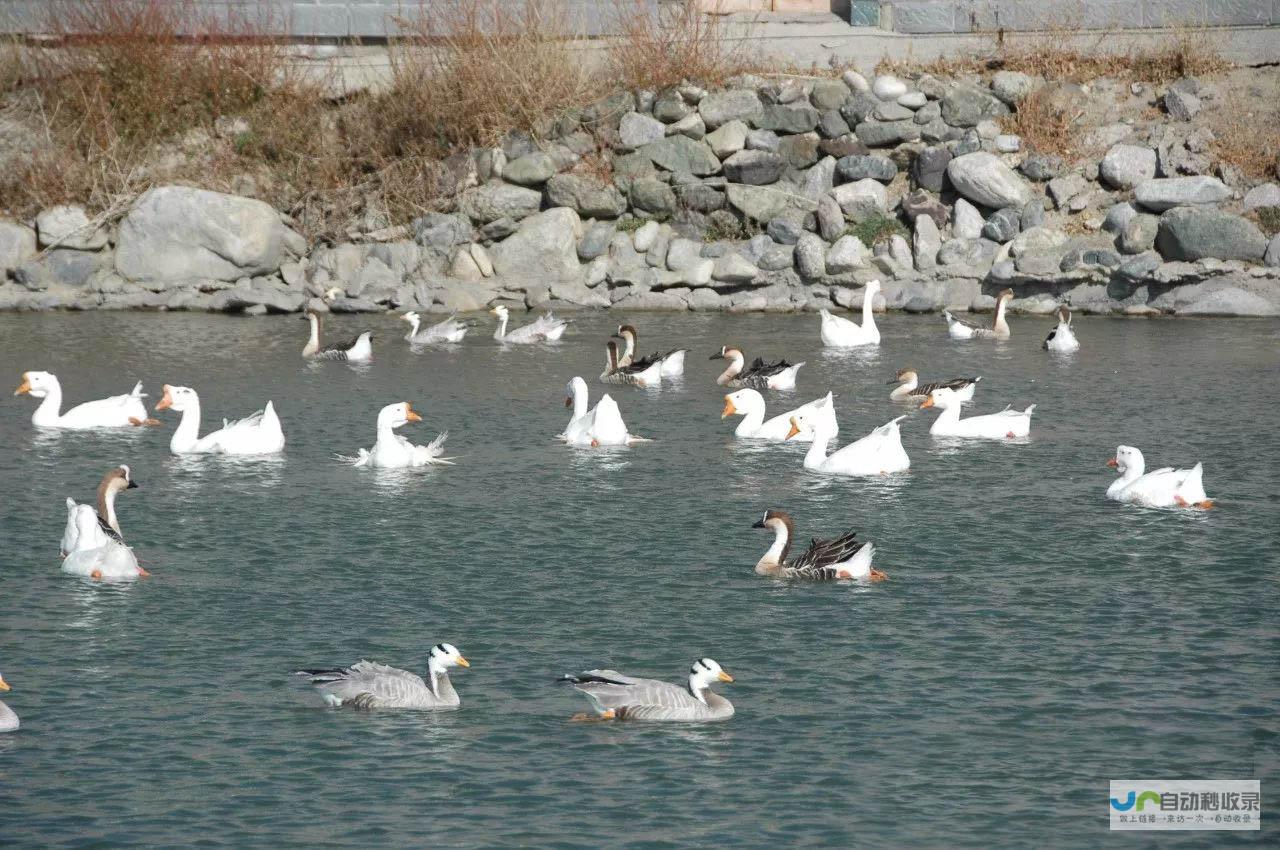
{"x": 1168, "y": 192}
{"x": 544, "y": 248}
{"x": 492, "y": 201}
{"x": 984, "y": 179}
{"x": 1196, "y": 233}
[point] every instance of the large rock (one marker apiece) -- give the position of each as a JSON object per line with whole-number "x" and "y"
{"x": 930, "y": 167}
{"x": 730, "y": 138}
{"x": 811, "y": 256}
{"x": 968, "y": 222}
{"x": 862, "y": 200}
{"x": 545, "y": 248}
{"x": 682, "y": 154}
{"x": 762, "y": 203}
{"x": 637, "y": 130}
{"x": 888, "y": 87}
{"x": 532, "y": 169}
{"x": 877, "y": 134}
{"x": 59, "y": 267}
{"x": 17, "y": 245}
{"x": 493, "y": 201}
{"x": 1139, "y": 234}
{"x": 69, "y": 227}
{"x": 175, "y": 233}
{"x": 1012, "y": 86}
{"x": 1168, "y": 192}
{"x": 1126, "y": 166}
{"x": 651, "y": 195}
{"x": 1265, "y": 195}
{"x": 757, "y": 168}
{"x": 588, "y": 196}
{"x": 1271, "y": 258}
{"x": 846, "y": 255}
{"x": 966, "y": 106}
{"x": 800, "y": 150}
{"x": 1229, "y": 301}
{"x": 872, "y": 166}
{"x": 926, "y": 243}
{"x": 920, "y": 203}
{"x": 790, "y": 118}
{"x": 720, "y": 108}
{"x": 1181, "y": 105}
{"x": 831, "y": 222}
{"x": 829, "y": 94}
{"x": 1195, "y": 233}
{"x": 984, "y": 179}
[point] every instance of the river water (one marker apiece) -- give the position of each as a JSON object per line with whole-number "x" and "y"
{"x": 1034, "y": 641}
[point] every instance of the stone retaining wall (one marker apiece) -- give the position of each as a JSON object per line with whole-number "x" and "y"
{"x": 962, "y": 16}
{"x": 780, "y": 194}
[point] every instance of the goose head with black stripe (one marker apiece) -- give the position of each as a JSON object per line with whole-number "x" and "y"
{"x": 702, "y": 675}
{"x": 442, "y": 657}
{"x": 783, "y": 528}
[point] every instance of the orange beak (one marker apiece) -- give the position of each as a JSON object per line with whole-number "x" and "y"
{"x": 410, "y": 413}
{"x": 928, "y": 402}
{"x": 729, "y": 409}
{"x": 24, "y": 387}
{"x": 1113, "y": 463}
{"x": 462, "y": 662}
{"x": 166, "y": 402}
{"x": 795, "y": 429}
{"x": 725, "y": 677}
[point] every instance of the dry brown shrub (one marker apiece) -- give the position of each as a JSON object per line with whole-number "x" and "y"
{"x": 679, "y": 43}
{"x": 1047, "y": 122}
{"x": 469, "y": 71}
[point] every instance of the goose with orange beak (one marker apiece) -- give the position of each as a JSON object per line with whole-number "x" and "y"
{"x": 391, "y": 451}
{"x": 118, "y": 411}
{"x": 8, "y": 717}
{"x": 257, "y": 434}
{"x": 750, "y": 405}
{"x": 1160, "y": 488}
{"x": 92, "y": 543}
{"x": 369, "y": 685}
{"x": 878, "y": 453}
{"x": 1005, "y": 425}
{"x": 617, "y": 696}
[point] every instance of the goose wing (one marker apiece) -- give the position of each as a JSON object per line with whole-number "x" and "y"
{"x": 638, "y": 366}
{"x": 953, "y": 384}
{"x": 368, "y": 684}
{"x": 822, "y": 555}
{"x": 109, "y": 531}
{"x": 637, "y": 699}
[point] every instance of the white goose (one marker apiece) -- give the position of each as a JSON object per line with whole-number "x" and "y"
{"x": 844, "y": 557}
{"x": 878, "y": 453}
{"x": 640, "y": 373}
{"x": 759, "y": 375}
{"x": 391, "y": 451}
{"x": 8, "y": 717}
{"x": 672, "y": 362}
{"x": 839, "y": 332}
{"x": 616, "y": 696}
{"x": 910, "y": 387}
{"x": 368, "y": 684}
{"x": 451, "y": 329}
{"x": 957, "y": 329}
{"x": 115, "y": 412}
{"x": 1006, "y": 424}
{"x": 546, "y": 328}
{"x": 1062, "y": 338}
{"x": 1160, "y": 488}
{"x": 602, "y": 425}
{"x": 92, "y": 544}
{"x": 356, "y": 350}
{"x": 257, "y": 434}
{"x": 750, "y": 405}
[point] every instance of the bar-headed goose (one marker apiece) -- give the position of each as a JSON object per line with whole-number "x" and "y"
{"x": 118, "y": 411}
{"x": 839, "y": 332}
{"x": 92, "y": 544}
{"x": 545, "y": 328}
{"x": 8, "y": 717}
{"x": 910, "y": 387}
{"x": 957, "y": 329}
{"x": 391, "y": 451}
{"x": 1006, "y": 424}
{"x": 749, "y": 404}
{"x": 602, "y": 425}
{"x": 878, "y": 453}
{"x": 646, "y": 372}
{"x": 359, "y": 349}
{"x": 844, "y": 557}
{"x": 1062, "y": 338}
{"x": 369, "y": 685}
{"x": 451, "y": 329}
{"x": 672, "y": 362}
{"x": 616, "y": 696}
{"x": 1161, "y": 488}
{"x": 759, "y": 375}
{"x": 257, "y": 434}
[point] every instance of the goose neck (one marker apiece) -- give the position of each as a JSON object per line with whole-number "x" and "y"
{"x": 49, "y": 409}
{"x": 188, "y": 430}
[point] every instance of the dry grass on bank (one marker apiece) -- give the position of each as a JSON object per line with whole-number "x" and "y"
{"x": 1247, "y": 135}
{"x": 133, "y": 92}
{"x": 1067, "y": 52}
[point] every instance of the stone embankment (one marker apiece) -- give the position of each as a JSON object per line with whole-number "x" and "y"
{"x": 772, "y": 195}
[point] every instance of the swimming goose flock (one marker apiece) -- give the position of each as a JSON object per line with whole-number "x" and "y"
{"x": 93, "y": 544}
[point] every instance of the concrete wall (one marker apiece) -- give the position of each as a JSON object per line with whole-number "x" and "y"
{"x": 960, "y": 16}
{"x": 304, "y": 19}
